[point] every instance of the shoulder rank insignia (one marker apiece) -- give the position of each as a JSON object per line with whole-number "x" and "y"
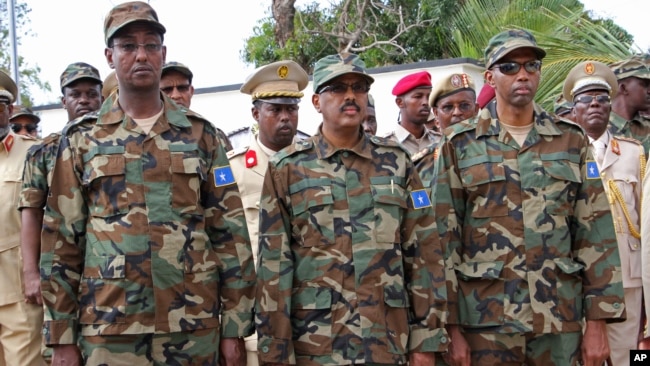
{"x": 250, "y": 158}
{"x": 9, "y": 142}
{"x": 616, "y": 149}
{"x": 223, "y": 176}
{"x": 592, "y": 170}
{"x": 420, "y": 199}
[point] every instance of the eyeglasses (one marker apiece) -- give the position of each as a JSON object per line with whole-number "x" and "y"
{"x": 133, "y": 47}
{"x": 511, "y": 68}
{"x": 342, "y": 88}
{"x": 463, "y": 107}
{"x": 181, "y": 88}
{"x": 587, "y": 99}
{"x": 17, "y": 127}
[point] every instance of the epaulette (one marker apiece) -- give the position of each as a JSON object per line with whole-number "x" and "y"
{"x": 461, "y": 127}
{"x": 389, "y": 135}
{"x": 236, "y": 152}
{"x": 303, "y": 145}
{"x": 296, "y": 147}
{"x": 71, "y": 125}
{"x": 628, "y": 139}
{"x": 383, "y": 141}
{"x": 191, "y": 113}
{"x": 431, "y": 149}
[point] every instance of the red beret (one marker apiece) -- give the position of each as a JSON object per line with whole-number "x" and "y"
{"x": 420, "y": 79}
{"x": 485, "y": 96}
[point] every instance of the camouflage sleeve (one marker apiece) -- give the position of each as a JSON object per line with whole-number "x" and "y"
{"x": 34, "y": 190}
{"x": 424, "y": 271}
{"x": 595, "y": 246}
{"x": 274, "y": 273}
{"x": 226, "y": 226}
{"x": 62, "y": 249}
{"x": 223, "y": 140}
{"x": 449, "y": 202}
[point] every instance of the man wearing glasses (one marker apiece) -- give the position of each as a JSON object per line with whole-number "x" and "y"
{"x": 145, "y": 253}
{"x": 350, "y": 270}
{"x": 453, "y": 99}
{"x": 619, "y": 162}
{"x": 20, "y": 322}
{"x": 530, "y": 249}
{"x": 176, "y": 82}
{"x": 24, "y": 121}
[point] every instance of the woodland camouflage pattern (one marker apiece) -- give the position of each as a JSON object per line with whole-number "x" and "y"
{"x": 349, "y": 271}
{"x": 637, "y": 128}
{"x": 528, "y": 238}
{"x": 79, "y": 70}
{"x": 137, "y": 236}
{"x": 37, "y": 175}
{"x": 333, "y": 66}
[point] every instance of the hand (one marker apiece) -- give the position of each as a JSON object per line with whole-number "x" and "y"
{"x": 32, "y": 282}
{"x": 595, "y": 347}
{"x": 66, "y": 355}
{"x": 232, "y": 352}
{"x": 458, "y": 353}
{"x": 422, "y": 359}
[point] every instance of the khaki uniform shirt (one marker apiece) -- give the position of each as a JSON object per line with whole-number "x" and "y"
{"x": 412, "y": 144}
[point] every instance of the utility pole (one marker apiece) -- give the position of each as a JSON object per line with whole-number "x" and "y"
{"x": 11, "y": 9}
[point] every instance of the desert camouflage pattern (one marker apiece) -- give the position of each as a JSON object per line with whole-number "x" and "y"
{"x": 528, "y": 237}
{"x": 349, "y": 271}
{"x": 138, "y": 236}
{"x": 637, "y": 128}
{"x": 333, "y": 66}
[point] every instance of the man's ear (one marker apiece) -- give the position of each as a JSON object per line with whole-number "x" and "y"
{"x": 315, "y": 100}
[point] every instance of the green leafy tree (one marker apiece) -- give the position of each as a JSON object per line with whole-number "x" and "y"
{"x": 29, "y": 75}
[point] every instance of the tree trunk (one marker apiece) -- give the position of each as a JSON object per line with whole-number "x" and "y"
{"x": 283, "y": 13}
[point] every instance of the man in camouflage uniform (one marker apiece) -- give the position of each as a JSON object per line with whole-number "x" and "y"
{"x": 632, "y": 99}
{"x": 529, "y": 245}
{"x": 81, "y": 88}
{"x": 145, "y": 252}
{"x": 620, "y": 162}
{"x": 350, "y": 270}
{"x": 275, "y": 90}
{"x": 412, "y": 98}
{"x": 20, "y": 322}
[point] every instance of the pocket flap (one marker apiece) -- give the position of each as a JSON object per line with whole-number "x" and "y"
{"x": 479, "y": 270}
{"x": 568, "y": 265}
{"x": 312, "y": 298}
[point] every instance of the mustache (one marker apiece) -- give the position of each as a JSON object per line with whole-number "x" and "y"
{"x": 350, "y": 104}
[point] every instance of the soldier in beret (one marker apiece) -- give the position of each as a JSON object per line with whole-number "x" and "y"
{"x": 145, "y": 253}
{"x": 350, "y": 271}
{"x": 20, "y": 321}
{"x": 275, "y": 90}
{"x": 176, "y": 82}
{"x": 530, "y": 249}
{"x": 24, "y": 121}
{"x": 619, "y": 162}
{"x": 453, "y": 99}
{"x": 370, "y": 122}
{"x": 632, "y": 99}
{"x": 412, "y": 98}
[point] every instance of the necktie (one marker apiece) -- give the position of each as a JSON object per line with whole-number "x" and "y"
{"x": 599, "y": 151}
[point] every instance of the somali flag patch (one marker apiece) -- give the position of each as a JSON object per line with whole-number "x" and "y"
{"x": 223, "y": 176}
{"x": 592, "y": 170}
{"x": 420, "y": 199}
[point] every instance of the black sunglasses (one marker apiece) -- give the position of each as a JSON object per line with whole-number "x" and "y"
{"x": 17, "y": 127}
{"x": 511, "y": 68}
{"x": 587, "y": 99}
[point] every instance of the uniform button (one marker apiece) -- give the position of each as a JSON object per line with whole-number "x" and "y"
{"x": 616, "y": 305}
{"x": 265, "y": 349}
{"x": 636, "y": 246}
{"x": 345, "y": 154}
{"x": 443, "y": 339}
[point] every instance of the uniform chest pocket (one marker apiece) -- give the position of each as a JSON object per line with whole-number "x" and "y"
{"x": 481, "y": 293}
{"x": 188, "y": 174}
{"x": 561, "y": 180}
{"x": 390, "y": 201}
{"x": 104, "y": 179}
{"x": 313, "y": 219}
{"x": 103, "y": 290}
{"x": 12, "y": 180}
{"x": 484, "y": 180}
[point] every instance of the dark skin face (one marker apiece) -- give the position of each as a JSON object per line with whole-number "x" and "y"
{"x": 455, "y": 108}
{"x": 178, "y": 87}
{"x": 7, "y": 109}
{"x": 593, "y": 116}
{"x": 278, "y": 123}
{"x": 370, "y": 122}
{"x": 24, "y": 122}
{"x": 414, "y": 108}
{"x": 516, "y": 90}
{"x": 81, "y": 97}
{"x": 636, "y": 92}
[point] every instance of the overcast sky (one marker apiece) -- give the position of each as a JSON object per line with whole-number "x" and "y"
{"x": 205, "y": 35}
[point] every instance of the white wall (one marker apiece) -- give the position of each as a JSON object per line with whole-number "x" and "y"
{"x": 229, "y": 109}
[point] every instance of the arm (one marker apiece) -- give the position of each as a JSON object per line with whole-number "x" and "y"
{"x": 30, "y": 244}
{"x": 595, "y": 346}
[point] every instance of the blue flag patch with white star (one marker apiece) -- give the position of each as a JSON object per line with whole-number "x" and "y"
{"x": 592, "y": 170}
{"x": 420, "y": 199}
{"x": 223, "y": 176}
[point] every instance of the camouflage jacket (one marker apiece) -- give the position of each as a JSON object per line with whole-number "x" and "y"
{"x": 637, "y": 128}
{"x": 528, "y": 237}
{"x": 37, "y": 175}
{"x": 144, "y": 233}
{"x": 350, "y": 268}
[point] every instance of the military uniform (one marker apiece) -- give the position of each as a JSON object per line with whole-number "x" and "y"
{"x": 637, "y": 128}
{"x": 144, "y": 233}
{"x": 364, "y": 254}
{"x": 528, "y": 239}
{"x": 412, "y": 144}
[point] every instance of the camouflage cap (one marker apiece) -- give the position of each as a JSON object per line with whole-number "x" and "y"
{"x": 127, "y": 13}
{"x": 179, "y": 67}
{"x": 562, "y": 106}
{"x": 79, "y": 70}
{"x": 634, "y": 66}
{"x": 370, "y": 109}
{"x": 333, "y": 66}
{"x": 279, "y": 82}
{"x": 451, "y": 84}
{"x": 508, "y": 41}
{"x": 20, "y": 110}
{"x": 589, "y": 75}
{"x": 110, "y": 85}
{"x": 8, "y": 88}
